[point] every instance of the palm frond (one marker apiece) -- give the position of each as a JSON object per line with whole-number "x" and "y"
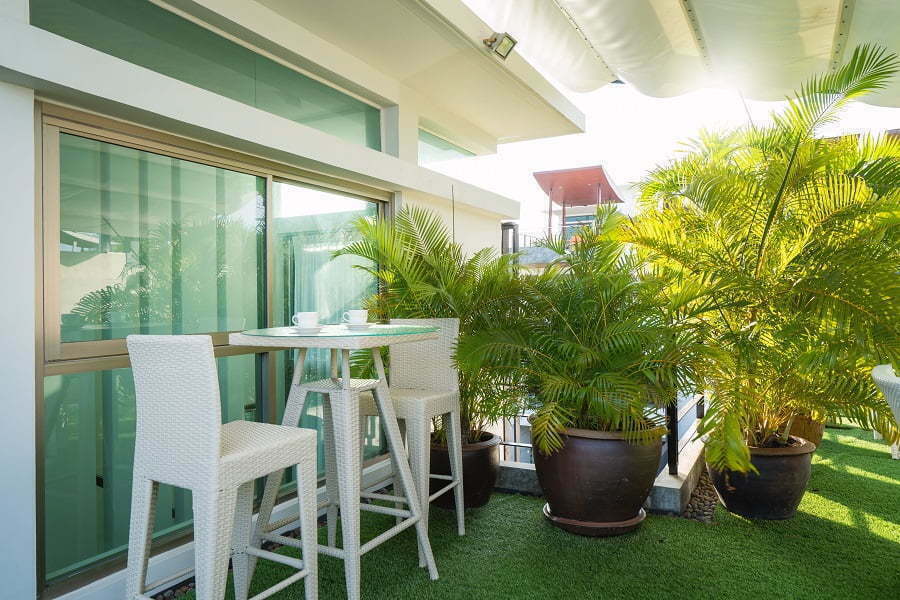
{"x": 782, "y": 250}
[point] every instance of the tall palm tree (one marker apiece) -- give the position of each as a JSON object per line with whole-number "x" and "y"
{"x": 788, "y": 246}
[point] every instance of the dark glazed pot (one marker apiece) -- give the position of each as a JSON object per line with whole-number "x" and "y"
{"x": 774, "y": 492}
{"x": 597, "y": 484}
{"x": 481, "y": 463}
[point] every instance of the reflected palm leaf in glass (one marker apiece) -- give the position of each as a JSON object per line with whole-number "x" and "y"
{"x": 148, "y": 244}
{"x": 154, "y": 244}
{"x": 149, "y": 296}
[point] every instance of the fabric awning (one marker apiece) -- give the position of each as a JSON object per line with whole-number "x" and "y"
{"x": 763, "y": 48}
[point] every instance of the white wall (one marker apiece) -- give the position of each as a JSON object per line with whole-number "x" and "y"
{"x": 17, "y": 356}
{"x": 16, "y": 10}
{"x": 473, "y": 229}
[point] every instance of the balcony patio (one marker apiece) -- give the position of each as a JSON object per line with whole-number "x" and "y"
{"x": 249, "y": 306}
{"x": 841, "y": 544}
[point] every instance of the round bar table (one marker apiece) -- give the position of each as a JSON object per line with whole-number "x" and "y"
{"x": 342, "y": 435}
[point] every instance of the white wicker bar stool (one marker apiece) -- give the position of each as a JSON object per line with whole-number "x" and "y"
{"x": 342, "y": 442}
{"x": 424, "y": 384}
{"x": 181, "y": 441}
{"x": 889, "y": 384}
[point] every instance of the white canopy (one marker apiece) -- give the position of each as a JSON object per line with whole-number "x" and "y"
{"x": 764, "y": 48}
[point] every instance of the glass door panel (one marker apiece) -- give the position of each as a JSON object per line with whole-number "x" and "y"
{"x": 89, "y": 422}
{"x": 153, "y": 244}
{"x": 308, "y": 225}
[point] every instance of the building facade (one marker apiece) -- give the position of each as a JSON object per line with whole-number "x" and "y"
{"x": 189, "y": 166}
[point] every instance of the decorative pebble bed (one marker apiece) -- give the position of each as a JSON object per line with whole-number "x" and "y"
{"x": 702, "y": 505}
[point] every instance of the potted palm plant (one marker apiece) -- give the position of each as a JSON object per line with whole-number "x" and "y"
{"x": 600, "y": 351}
{"x": 423, "y": 273}
{"x": 792, "y": 247}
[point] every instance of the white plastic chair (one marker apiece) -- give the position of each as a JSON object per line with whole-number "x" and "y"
{"x": 889, "y": 384}
{"x": 424, "y": 384}
{"x": 181, "y": 441}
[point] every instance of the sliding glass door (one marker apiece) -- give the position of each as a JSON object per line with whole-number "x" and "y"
{"x": 89, "y": 421}
{"x": 148, "y": 238}
{"x": 308, "y": 225}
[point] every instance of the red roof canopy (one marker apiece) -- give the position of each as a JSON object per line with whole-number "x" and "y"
{"x": 582, "y": 186}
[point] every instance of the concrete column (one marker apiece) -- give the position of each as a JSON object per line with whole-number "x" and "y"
{"x": 401, "y": 132}
{"x": 17, "y": 352}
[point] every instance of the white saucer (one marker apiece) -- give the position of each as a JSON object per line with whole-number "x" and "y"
{"x": 308, "y": 330}
{"x": 357, "y": 326}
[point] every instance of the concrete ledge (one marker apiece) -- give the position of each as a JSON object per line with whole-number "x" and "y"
{"x": 518, "y": 478}
{"x": 671, "y": 493}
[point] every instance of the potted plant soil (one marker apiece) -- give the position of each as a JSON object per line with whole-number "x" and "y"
{"x": 785, "y": 241}
{"x": 423, "y": 273}
{"x": 600, "y": 352}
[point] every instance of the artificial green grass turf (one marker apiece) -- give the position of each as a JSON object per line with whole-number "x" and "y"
{"x": 843, "y": 543}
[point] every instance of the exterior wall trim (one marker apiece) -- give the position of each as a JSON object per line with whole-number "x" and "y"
{"x": 66, "y": 72}
{"x": 18, "y": 428}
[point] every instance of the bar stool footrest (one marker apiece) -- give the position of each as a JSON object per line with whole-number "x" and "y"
{"x": 281, "y": 585}
{"x": 332, "y": 386}
{"x": 383, "y": 537}
{"x": 386, "y": 510}
{"x": 281, "y": 539}
{"x": 384, "y": 497}
{"x": 282, "y": 523}
{"x": 275, "y": 557}
{"x": 443, "y": 491}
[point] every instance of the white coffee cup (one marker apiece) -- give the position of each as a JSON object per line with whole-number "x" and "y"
{"x": 356, "y": 317}
{"x": 305, "y": 320}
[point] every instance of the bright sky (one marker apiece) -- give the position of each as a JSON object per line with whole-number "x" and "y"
{"x": 628, "y": 133}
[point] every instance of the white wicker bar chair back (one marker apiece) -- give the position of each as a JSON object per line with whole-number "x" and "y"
{"x": 180, "y": 440}
{"x": 179, "y": 415}
{"x": 426, "y": 365}
{"x": 889, "y": 384}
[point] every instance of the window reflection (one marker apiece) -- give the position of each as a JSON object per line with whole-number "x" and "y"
{"x": 153, "y": 244}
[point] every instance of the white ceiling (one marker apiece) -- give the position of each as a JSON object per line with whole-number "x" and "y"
{"x": 764, "y": 48}
{"x": 410, "y": 41}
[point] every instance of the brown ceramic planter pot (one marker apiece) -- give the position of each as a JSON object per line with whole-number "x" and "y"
{"x": 773, "y": 493}
{"x": 808, "y": 429}
{"x": 481, "y": 464}
{"x": 597, "y": 483}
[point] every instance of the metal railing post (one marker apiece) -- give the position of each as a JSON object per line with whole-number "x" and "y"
{"x": 672, "y": 436}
